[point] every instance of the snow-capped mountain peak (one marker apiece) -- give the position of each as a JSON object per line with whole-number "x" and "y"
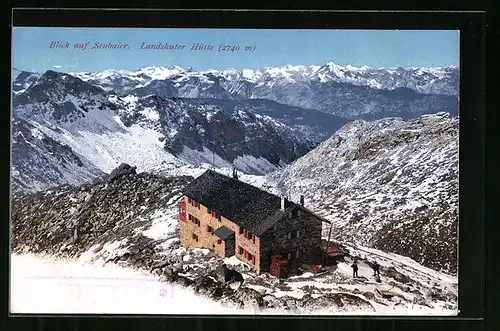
{"x": 423, "y": 80}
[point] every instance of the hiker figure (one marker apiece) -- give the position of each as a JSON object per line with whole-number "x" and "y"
{"x": 376, "y": 269}
{"x": 354, "y": 267}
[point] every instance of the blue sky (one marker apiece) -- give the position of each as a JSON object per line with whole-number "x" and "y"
{"x": 374, "y": 48}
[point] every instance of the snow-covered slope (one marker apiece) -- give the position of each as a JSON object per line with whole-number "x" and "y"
{"x": 104, "y": 129}
{"x": 60, "y": 117}
{"x": 172, "y": 170}
{"x": 46, "y": 285}
{"x": 41, "y": 162}
{"x": 21, "y": 80}
{"x": 387, "y": 184}
{"x": 131, "y": 220}
{"x": 202, "y": 132}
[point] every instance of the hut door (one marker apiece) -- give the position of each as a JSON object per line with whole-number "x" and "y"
{"x": 229, "y": 246}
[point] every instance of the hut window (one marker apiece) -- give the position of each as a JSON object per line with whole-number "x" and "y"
{"x": 241, "y": 230}
{"x": 219, "y": 241}
{"x": 195, "y": 237}
{"x": 248, "y": 235}
{"x": 240, "y": 250}
{"x": 209, "y": 228}
{"x": 253, "y": 238}
{"x": 250, "y": 257}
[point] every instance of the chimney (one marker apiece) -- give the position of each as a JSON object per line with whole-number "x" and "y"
{"x": 302, "y": 200}
{"x": 235, "y": 174}
{"x": 283, "y": 199}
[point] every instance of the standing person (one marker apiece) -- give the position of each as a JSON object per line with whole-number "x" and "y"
{"x": 376, "y": 269}
{"x": 354, "y": 267}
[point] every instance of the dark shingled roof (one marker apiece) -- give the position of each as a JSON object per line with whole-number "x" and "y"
{"x": 224, "y": 232}
{"x": 247, "y": 206}
{"x": 241, "y": 203}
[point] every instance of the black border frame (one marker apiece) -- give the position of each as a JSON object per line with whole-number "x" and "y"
{"x": 472, "y": 154}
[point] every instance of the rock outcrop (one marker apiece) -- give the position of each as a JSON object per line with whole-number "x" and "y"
{"x": 70, "y": 220}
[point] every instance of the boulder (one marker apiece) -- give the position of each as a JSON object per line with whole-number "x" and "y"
{"x": 204, "y": 285}
{"x": 249, "y": 297}
{"x": 184, "y": 281}
{"x": 177, "y": 267}
{"x": 420, "y": 300}
{"x": 396, "y": 275}
{"x": 122, "y": 170}
{"x": 337, "y": 301}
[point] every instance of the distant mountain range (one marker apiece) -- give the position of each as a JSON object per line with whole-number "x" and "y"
{"x": 349, "y": 92}
{"x": 80, "y": 125}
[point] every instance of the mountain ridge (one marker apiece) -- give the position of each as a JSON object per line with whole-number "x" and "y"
{"x": 388, "y": 184}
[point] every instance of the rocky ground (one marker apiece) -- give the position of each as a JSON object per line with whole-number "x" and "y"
{"x": 130, "y": 219}
{"x": 66, "y": 221}
{"x": 388, "y": 184}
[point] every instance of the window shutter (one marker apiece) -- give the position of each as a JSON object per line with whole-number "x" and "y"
{"x": 253, "y": 259}
{"x": 245, "y": 253}
{"x": 253, "y": 238}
